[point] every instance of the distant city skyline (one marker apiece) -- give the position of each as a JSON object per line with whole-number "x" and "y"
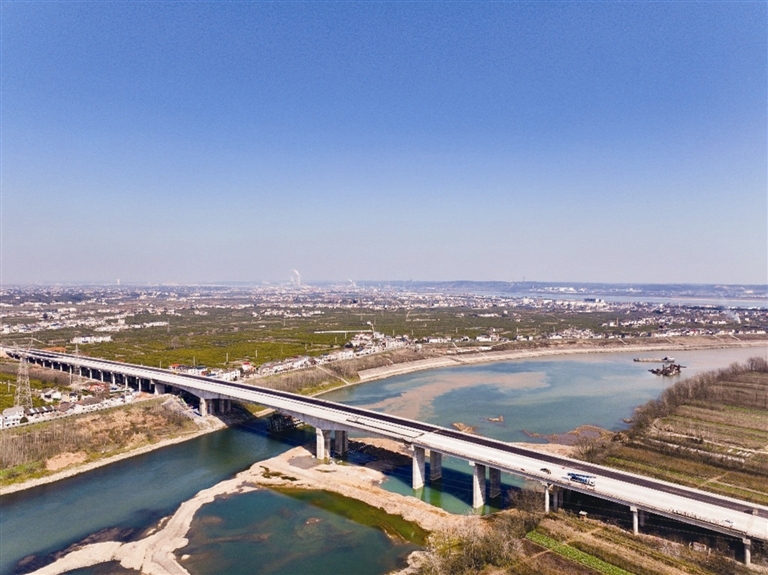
{"x": 174, "y": 142}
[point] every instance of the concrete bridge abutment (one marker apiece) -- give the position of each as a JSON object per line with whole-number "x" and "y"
{"x": 747, "y": 551}
{"x": 341, "y": 442}
{"x": 635, "y": 520}
{"x": 478, "y": 485}
{"x": 494, "y": 477}
{"x": 435, "y": 465}
{"x": 419, "y": 468}
{"x": 322, "y": 444}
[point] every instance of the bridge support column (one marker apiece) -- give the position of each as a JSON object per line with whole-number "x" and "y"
{"x": 478, "y": 485}
{"x": 418, "y": 467}
{"x": 203, "y": 407}
{"x": 159, "y": 388}
{"x": 555, "y": 498}
{"x": 342, "y": 442}
{"x": 747, "y": 551}
{"x": 547, "y": 488}
{"x": 323, "y": 444}
{"x": 494, "y": 476}
{"x": 635, "y": 522}
{"x": 435, "y": 465}
{"x": 641, "y": 517}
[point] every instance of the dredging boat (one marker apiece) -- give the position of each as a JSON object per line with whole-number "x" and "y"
{"x": 668, "y": 370}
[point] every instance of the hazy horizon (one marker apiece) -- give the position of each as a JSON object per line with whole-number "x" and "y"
{"x": 182, "y": 143}
{"x": 415, "y": 283}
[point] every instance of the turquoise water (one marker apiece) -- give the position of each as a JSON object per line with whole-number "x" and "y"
{"x": 130, "y": 495}
{"x": 552, "y": 395}
{"x": 540, "y": 396}
{"x": 270, "y": 533}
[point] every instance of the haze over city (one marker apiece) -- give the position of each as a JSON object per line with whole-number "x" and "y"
{"x": 557, "y": 141}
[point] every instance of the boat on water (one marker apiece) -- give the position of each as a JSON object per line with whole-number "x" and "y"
{"x": 668, "y": 370}
{"x": 665, "y": 359}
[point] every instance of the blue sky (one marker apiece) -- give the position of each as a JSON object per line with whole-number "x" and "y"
{"x": 551, "y": 141}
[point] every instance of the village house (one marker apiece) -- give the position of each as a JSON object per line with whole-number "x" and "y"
{"x": 12, "y": 416}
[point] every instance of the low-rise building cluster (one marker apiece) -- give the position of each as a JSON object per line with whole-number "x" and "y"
{"x": 63, "y": 405}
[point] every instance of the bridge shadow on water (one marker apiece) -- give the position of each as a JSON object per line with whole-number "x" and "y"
{"x": 452, "y": 492}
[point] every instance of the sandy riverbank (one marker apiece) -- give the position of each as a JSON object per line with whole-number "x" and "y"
{"x": 679, "y": 344}
{"x": 210, "y": 425}
{"x": 155, "y": 554}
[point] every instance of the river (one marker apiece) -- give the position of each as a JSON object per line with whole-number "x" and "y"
{"x": 542, "y": 395}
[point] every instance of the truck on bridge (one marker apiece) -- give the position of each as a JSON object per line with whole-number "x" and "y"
{"x": 582, "y": 478}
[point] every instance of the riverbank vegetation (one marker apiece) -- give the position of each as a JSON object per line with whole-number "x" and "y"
{"x": 524, "y": 542}
{"x": 709, "y": 431}
{"x": 41, "y": 449}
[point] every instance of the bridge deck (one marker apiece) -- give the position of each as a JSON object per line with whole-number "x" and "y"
{"x": 722, "y": 514}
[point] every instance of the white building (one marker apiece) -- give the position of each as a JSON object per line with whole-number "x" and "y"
{"x": 12, "y": 416}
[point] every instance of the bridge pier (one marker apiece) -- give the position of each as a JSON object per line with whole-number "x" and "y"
{"x": 203, "y": 405}
{"x": 435, "y": 465}
{"x": 342, "y": 442}
{"x": 494, "y": 476}
{"x": 159, "y": 388}
{"x": 635, "y": 523}
{"x": 323, "y": 444}
{"x": 418, "y": 467}
{"x": 747, "y": 551}
{"x": 555, "y": 504}
{"x": 547, "y": 488}
{"x": 478, "y": 485}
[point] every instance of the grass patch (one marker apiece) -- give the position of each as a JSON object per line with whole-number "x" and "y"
{"x": 392, "y": 525}
{"x": 575, "y": 555}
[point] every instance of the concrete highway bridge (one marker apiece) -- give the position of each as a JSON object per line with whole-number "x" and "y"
{"x": 488, "y": 458}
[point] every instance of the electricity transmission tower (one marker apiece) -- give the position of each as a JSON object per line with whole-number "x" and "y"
{"x": 23, "y": 391}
